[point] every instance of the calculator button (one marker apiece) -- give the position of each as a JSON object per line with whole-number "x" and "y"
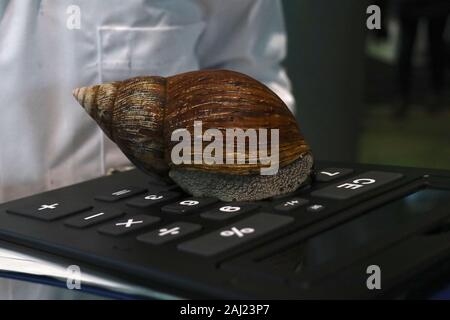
{"x": 127, "y": 225}
{"x": 169, "y": 233}
{"x": 188, "y": 205}
{"x": 49, "y": 210}
{"x": 92, "y": 218}
{"x": 291, "y": 204}
{"x": 315, "y": 207}
{"x": 357, "y": 185}
{"x": 119, "y": 194}
{"x": 330, "y": 174}
{"x": 235, "y": 234}
{"x": 152, "y": 199}
{"x": 229, "y": 210}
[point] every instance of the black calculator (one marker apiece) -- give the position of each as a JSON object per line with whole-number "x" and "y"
{"x": 327, "y": 240}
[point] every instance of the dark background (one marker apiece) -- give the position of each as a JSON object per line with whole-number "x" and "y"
{"x": 347, "y": 91}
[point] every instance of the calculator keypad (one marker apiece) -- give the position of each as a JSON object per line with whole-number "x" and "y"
{"x": 149, "y": 208}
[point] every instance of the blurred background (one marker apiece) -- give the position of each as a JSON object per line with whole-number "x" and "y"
{"x": 373, "y": 96}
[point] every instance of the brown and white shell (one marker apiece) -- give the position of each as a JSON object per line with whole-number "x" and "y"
{"x": 140, "y": 114}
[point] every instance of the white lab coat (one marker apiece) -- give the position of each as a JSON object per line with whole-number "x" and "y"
{"x": 46, "y": 138}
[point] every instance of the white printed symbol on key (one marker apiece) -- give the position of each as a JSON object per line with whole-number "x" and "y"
{"x": 171, "y": 231}
{"x": 153, "y": 197}
{"x": 48, "y": 206}
{"x": 229, "y": 209}
{"x": 330, "y": 174}
{"x": 237, "y": 232}
{"x": 94, "y": 216}
{"x": 316, "y": 207}
{"x": 291, "y": 203}
{"x": 358, "y": 183}
{"x": 121, "y": 192}
{"x": 189, "y": 203}
{"x": 129, "y": 223}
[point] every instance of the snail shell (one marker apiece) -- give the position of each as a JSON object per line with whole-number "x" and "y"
{"x": 140, "y": 114}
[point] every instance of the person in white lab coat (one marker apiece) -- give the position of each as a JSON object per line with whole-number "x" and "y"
{"x": 49, "y": 47}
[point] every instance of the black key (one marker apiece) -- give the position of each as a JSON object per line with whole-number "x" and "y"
{"x": 330, "y": 174}
{"x": 50, "y": 210}
{"x": 235, "y": 234}
{"x": 169, "y": 233}
{"x": 152, "y": 199}
{"x": 119, "y": 194}
{"x": 127, "y": 225}
{"x": 156, "y": 180}
{"x": 93, "y": 217}
{"x": 291, "y": 204}
{"x": 226, "y": 211}
{"x": 357, "y": 185}
{"x": 188, "y": 205}
{"x": 315, "y": 207}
